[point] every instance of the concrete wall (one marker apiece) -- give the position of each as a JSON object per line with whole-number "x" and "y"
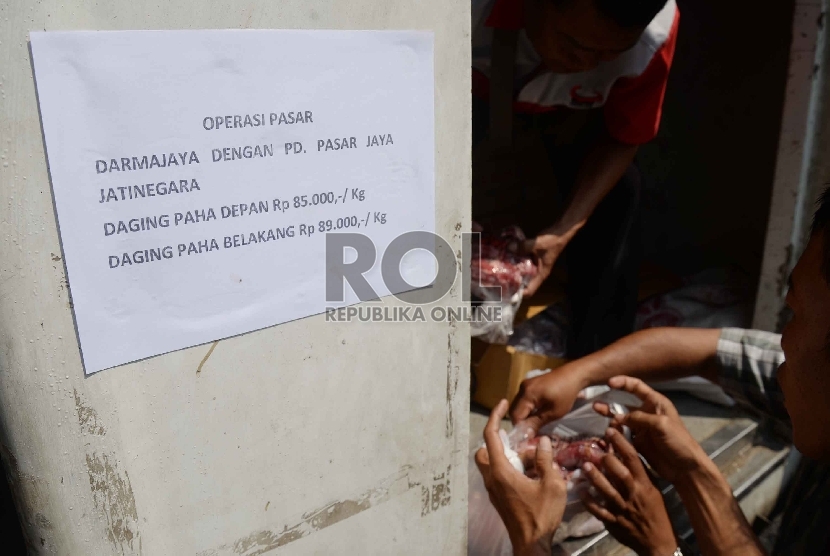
{"x": 303, "y": 438}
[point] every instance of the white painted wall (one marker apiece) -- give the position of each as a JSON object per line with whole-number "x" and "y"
{"x": 307, "y": 438}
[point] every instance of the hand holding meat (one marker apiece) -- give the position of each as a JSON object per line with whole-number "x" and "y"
{"x": 531, "y": 509}
{"x": 627, "y": 501}
{"x": 497, "y": 262}
{"x": 657, "y": 431}
{"x": 546, "y": 248}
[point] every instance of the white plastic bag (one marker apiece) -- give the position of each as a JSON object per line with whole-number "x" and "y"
{"x": 486, "y": 534}
{"x": 499, "y": 274}
{"x": 483, "y": 327}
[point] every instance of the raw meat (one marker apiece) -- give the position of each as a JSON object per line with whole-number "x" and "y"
{"x": 575, "y": 454}
{"x": 498, "y": 262}
{"x": 571, "y": 455}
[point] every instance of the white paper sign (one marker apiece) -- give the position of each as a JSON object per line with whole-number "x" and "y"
{"x": 195, "y": 174}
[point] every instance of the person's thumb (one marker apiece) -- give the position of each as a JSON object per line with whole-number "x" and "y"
{"x": 523, "y": 405}
{"x": 544, "y": 461}
{"x": 534, "y": 284}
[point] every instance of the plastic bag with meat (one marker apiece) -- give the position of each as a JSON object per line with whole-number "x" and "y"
{"x": 570, "y": 454}
{"x": 497, "y": 261}
{"x": 545, "y": 333}
{"x": 499, "y": 274}
{"x": 578, "y": 439}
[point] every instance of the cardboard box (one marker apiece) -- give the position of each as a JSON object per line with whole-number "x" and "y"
{"x": 499, "y": 371}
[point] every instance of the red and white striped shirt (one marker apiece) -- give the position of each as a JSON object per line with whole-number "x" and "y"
{"x": 630, "y": 88}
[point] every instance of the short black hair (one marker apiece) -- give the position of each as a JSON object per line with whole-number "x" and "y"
{"x": 628, "y": 14}
{"x": 821, "y": 223}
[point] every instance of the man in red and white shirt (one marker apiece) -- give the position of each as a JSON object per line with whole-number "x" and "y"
{"x": 611, "y": 57}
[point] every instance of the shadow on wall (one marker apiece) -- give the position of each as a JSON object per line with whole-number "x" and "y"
{"x": 708, "y": 175}
{"x": 10, "y": 532}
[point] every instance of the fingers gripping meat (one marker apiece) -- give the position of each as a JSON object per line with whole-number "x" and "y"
{"x": 498, "y": 262}
{"x": 575, "y": 454}
{"x": 570, "y": 456}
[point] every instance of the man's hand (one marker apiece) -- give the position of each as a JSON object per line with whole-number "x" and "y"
{"x": 546, "y": 249}
{"x": 631, "y": 507}
{"x": 531, "y": 509}
{"x": 652, "y": 354}
{"x": 657, "y": 430}
{"x": 548, "y": 397}
{"x": 659, "y": 434}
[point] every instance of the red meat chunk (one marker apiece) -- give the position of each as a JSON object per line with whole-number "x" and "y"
{"x": 498, "y": 262}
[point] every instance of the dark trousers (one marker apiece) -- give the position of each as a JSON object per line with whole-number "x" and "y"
{"x": 603, "y": 258}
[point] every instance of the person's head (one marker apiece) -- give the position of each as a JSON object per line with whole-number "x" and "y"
{"x": 805, "y": 376}
{"x": 573, "y": 36}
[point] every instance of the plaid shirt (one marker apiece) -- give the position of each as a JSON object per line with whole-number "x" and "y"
{"x": 749, "y": 360}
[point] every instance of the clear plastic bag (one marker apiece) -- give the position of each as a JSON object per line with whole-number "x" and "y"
{"x": 544, "y": 334}
{"x": 496, "y": 332}
{"x": 486, "y": 533}
{"x": 499, "y": 274}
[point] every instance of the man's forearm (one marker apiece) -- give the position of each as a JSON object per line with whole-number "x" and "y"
{"x": 655, "y": 354}
{"x": 718, "y": 521}
{"x": 599, "y": 172}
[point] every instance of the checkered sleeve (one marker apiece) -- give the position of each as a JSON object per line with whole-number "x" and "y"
{"x": 749, "y": 361}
